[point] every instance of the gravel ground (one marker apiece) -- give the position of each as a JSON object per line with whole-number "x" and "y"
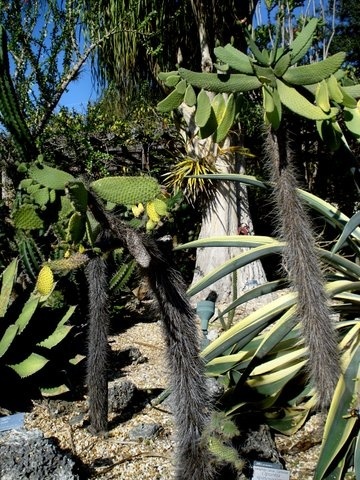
{"x": 118, "y": 455}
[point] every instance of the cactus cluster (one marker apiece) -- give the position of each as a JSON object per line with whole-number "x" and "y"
{"x": 12, "y": 116}
{"x": 281, "y": 81}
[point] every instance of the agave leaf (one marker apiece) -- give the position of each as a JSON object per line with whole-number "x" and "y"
{"x": 54, "y": 391}
{"x": 328, "y": 211}
{"x": 67, "y": 315}
{"x": 274, "y": 382}
{"x": 357, "y": 457}
{"x": 279, "y": 363}
{"x": 291, "y": 419}
{"x": 350, "y": 226}
{"x": 56, "y": 337}
{"x": 233, "y": 177}
{"x": 32, "y": 364}
{"x": 224, "y": 363}
{"x": 8, "y": 280}
{"x": 7, "y": 338}
{"x": 235, "y": 263}
{"x": 256, "y": 292}
{"x": 273, "y": 337}
{"x": 27, "y": 312}
{"x": 341, "y": 264}
{"x": 229, "y": 241}
{"x": 247, "y": 328}
{"x": 340, "y": 427}
{"x": 331, "y": 213}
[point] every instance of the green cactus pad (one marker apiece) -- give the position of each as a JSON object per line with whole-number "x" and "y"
{"x": 78, "y": 195}
{"x": 126, "y": 190}
{"x": 50, "y": 177}
{"x": 234, "y": 58}
{"x": 190, "y": 96}
{"x": 223, "y": 83}
{"x": 26, "y": 218}
{"x": 171, "y": 102}
{"x": 303, "y": 41}
{"x": 41, "y": 196}
{"x": 203, "y": 109}
{"x": 315, "y": 72}
{"x": 227, "y": 120}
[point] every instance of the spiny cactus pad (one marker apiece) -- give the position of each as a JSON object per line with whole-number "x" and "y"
{"x": 50, "y": 177}
{"x": 26, "y": 218}
{"x": 126, "y": 190}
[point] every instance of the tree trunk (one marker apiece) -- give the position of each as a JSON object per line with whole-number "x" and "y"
{"x": 227, "y": 214}
{"x": 230, "y": 208}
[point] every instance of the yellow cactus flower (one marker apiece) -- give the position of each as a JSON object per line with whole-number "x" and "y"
{"x": 137, "y": 210}
{"x": 45, "y": 280}
{"x": 152, "y": 213}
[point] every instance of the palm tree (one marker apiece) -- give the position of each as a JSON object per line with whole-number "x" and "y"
{"x": 154, "y": 35}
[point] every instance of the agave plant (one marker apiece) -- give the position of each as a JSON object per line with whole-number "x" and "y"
{"x": 30, "y": 336}
{"x": 265, "y": 351}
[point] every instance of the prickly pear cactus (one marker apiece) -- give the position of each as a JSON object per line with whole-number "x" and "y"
{"x": 277, "y": 75}
{"x": 126, "y": 190}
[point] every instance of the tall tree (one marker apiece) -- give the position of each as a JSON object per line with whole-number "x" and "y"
{"x": 143, "y": 44}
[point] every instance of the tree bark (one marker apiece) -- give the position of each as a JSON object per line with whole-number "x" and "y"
{"x": 229, "y": 209}
{"x": 225, "y": 215}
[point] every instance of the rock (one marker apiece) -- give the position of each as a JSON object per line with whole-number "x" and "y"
{"x": 29, "y": 455}
{"x": 145, "y": 431}
{"x": 121, "y": 394}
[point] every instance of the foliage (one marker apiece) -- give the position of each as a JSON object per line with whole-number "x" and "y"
{"x": 264, "y": 351}
{"x": 282, "y": 85}
{"x": 31, "y": 338}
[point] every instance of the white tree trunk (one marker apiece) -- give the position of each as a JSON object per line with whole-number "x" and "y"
{"x": 228, "y": 211}
{"x": 230, "y": 208}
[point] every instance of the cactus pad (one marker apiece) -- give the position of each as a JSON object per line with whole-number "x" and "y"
{"x": 50, "y": 177}
{"x": 26, "y": 218}
{"x": 126, "y": 190}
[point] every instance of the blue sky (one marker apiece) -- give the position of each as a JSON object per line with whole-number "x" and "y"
{"x": 80, "y": 92}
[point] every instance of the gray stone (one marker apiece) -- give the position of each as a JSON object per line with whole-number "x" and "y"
{"x": 145, "y": 431}
{"x": 121, "y": 394}
{"x": 29, "y": 455}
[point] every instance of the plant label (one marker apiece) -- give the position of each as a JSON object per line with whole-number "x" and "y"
{"x": 269, "y": 471}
